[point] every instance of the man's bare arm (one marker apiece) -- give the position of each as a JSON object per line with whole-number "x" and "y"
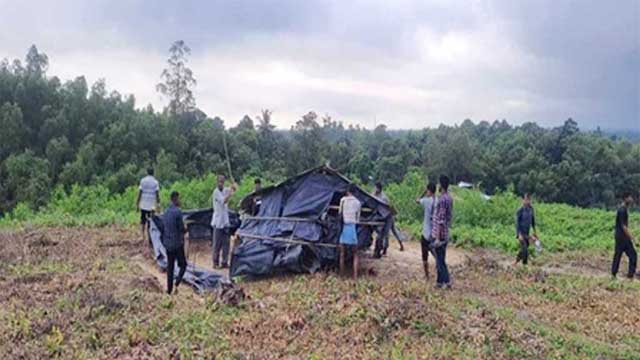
{"x": 627, "y": 232}
{"x": 230, "y": 194}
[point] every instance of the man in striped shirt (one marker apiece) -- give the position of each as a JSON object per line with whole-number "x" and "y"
{"x": 440, "y": 232}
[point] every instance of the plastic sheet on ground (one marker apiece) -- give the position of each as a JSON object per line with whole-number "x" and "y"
{"x": 199, "y": 278}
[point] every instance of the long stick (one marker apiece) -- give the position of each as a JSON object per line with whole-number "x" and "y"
{"x": 226, "y": 154}
{"x": 290, "y": 241}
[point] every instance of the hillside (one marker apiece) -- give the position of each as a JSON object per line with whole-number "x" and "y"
{"x": 80, "y": 284}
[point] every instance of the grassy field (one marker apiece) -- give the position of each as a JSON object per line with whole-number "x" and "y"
{"x": 77, "y": 284}
{"x": 86, "y": 293}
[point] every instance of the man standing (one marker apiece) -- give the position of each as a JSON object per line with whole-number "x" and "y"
{"x": 624, "y": 239}
{"x": 350, "y": 210}
{"x": 383, "y": 243}
{"x": 440, "y": 233}
{"x": 173, "y": 241}
{"x": 428, "y": 203}
{"x": 148, "y": 200}
{"x": 220, "y": 222}
{"x": 525, "y": 221}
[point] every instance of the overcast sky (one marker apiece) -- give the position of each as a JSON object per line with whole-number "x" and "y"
{"x": 404, "y": 63}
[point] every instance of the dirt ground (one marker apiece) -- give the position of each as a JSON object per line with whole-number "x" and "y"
{"x": 94, "y": 293}
{"x": 394, "y": 264}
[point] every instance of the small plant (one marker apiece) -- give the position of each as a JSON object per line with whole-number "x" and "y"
{"x": 54, "y": 341}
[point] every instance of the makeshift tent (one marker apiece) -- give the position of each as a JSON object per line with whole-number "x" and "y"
{"x": 199, "y": 278}
{"x": 298, "y": 225}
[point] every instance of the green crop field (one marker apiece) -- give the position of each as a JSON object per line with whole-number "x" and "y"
{"x": 477, "y": 222}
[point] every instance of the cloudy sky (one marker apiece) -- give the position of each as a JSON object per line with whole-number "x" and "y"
{"x": 404, "y": 63}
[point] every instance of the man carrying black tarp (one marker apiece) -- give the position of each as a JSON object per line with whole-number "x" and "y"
{"x": 624, "y": 239}
{"x": 173, "y": 241}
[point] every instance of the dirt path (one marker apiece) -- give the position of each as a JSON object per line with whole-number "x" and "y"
{"x": 408, "y": 263}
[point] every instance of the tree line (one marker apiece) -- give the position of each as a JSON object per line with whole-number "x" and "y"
{"x": 56, "y": 133}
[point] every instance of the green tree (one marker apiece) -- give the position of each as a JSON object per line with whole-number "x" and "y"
{"x": 27, "y": 180}
{"x": 178, "y": 80}
{"x": 13, "y": 134}
{"x": 308, "y": 146}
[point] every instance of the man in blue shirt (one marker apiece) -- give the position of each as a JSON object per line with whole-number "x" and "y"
{"x": 525, "y": 221}
{"x": 173, "y": 241}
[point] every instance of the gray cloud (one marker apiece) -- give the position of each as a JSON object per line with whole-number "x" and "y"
{"x": 405, "y": 63}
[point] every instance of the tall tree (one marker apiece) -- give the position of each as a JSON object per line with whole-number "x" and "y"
{"x": 37, "y": 63}
{"x": 178, "y": 80}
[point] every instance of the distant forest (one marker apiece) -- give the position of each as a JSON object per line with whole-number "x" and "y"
{"x": 57, "y": 133}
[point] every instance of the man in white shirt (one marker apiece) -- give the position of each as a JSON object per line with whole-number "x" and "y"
{"x": 148, "y": 200}
{"x": 350, "y": 211}
{"x": 428, "y": 203}
{"x": 220, "y": 222}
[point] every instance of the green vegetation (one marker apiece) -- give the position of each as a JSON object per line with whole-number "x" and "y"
{"x": 491, "y": 223}
{"x": 477, "y": 222}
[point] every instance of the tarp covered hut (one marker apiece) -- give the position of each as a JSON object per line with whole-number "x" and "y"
{"x": 297, "y": 226}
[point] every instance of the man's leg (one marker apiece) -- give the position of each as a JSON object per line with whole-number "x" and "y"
{"x": 396, "y": 234}
{"x": 216, "y": 247}
{"x": 341, "y": 259}
{"x": 182, "y": 263}
{"x": 143, "y": 226}
{"x": 379, "y": 246}
{"x": 617, "y": 255}
{"x": 524, "y": 250}
{"x": 424, "y": 245}
{"x": 171, "y": 259}
{"x": 354, "y": 250}
{"x": 441, "y": 264}
{"x": 633, "y": 259}
{"x": 225, "y": 248}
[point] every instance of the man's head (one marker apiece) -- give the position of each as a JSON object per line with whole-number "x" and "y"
{"x": 221, "y": 180}
{"x": 258, "y": 184}
{"x": 627, "y": 198}
{"x": 175, "y": 198}
{"x": 431, "y": 189}
{"x": 526, "y": 199}
{"x": 150, "y": 171}
{"x": 351, "y": 189}
{"x": 378, "y": 187}
{"x": 444, "y": 183}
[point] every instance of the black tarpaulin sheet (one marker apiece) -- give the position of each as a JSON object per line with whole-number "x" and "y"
{"x": 301, "y": 210}
{"x": 199, "y": 278}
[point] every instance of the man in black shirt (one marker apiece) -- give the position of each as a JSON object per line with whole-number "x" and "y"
{"x": 624, "y": 239}
{"x": 173, "y": 240}
{"x": 525, "y": 221}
